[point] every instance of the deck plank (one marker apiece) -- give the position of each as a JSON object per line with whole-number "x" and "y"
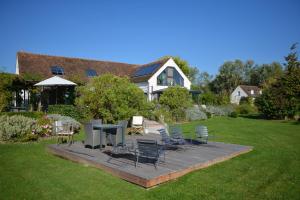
{"x": 176, "y": 164}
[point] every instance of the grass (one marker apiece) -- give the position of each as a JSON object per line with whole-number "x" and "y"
{"x": 270, "y": 171}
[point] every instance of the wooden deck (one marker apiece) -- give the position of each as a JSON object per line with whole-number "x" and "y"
{"x": 177, "y": 162}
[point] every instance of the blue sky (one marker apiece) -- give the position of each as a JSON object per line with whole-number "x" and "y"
{"x": 205, "y": 33}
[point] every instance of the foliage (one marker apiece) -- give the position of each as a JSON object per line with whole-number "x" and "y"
{"x": 66, "y": 110}
{"x": 195, "y": 113}
{"x": 111, "y": 98}
{"x": 231, "y": 74}
{"x": 246, "y": 109}
{"x": 161, "y": 114}
{"x": 246, "y": 100}
{"x": 6, "y": 81}
{"x": 233, "y": 114}
{"x": 282, "y": 98}
{"x": 176, "y": 100}
{"x": 265, "y": 74}
{"x": 16, "y": 128}
{"x": 65, "y": 119}
{"x": 208, "y": 98}
{"x": 219, "y": 110}
{"x": 46, "y": 126}
{"x": 34, "y": 115}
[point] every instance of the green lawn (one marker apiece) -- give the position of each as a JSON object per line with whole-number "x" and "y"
{"x": 270, "y": 171}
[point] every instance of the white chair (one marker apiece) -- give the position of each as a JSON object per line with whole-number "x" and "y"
{"x": 63, "y": 130}
{"x": 137, "y": 124}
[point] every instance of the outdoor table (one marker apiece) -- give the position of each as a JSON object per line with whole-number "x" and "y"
{"x": 102, "y": 127}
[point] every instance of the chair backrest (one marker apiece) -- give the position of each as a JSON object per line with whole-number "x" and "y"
{"x": 88, "y": 128}
{"x": 137, "y": 121}
{"x": 164, "y": 136}
{"x": 201, "y": 130}
{"x": 121, "y": 131}
{"x": 58, "y": 126}
{"x": 176, "y": 131}
{"x": 148, "y": 148}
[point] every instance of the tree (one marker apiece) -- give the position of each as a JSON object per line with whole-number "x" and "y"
{"x": 176, "y": 100}
{"x": 111, "y": 98}
{"x": 231, "y": 74}
{"x": 6, "y": 82}
{"x": 265, "y": 74}
{"x": 282, "y": 98}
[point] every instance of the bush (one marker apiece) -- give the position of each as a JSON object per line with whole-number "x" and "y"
{"x": 246, "y": 109}
{"x": 34, "y": 115}
{"x": 65, "y": 110}
{"x": 233, "y": 114}
{"x": 195, "y": 113}
{"x": 176, "y": 100}
{"x": 220, "y": 110}
{"x": 246, "y": 100}
{"x": 111, "y": 98}
{"x": 18, "y": 128}
{"x": 66, "y": 119}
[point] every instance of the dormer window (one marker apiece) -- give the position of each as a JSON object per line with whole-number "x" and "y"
{"x": 90, "y": 73}
{"x": 252, "y": 91}
{"x": 57, "y": 70}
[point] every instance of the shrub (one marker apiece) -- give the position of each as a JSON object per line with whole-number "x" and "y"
{"x": 66, "y": 119}
{"x": 246, "y": 109}
{"x": 6, "y": 81}
{"x": 176, "y": 100}
{"x": 195, "y": 113}
{"x": 65, "y": 110}
{"x": 233, "y": 114}
{"x": 111, "y": 98}
{"x": 46, "y": 126}
{"x": 15, "y": 128}
{"x": 34, "y": 115}
{"x": 220, "y": 110}
{"x": 246, "y": 100}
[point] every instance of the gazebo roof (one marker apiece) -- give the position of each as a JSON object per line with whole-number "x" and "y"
{"x": 55, "y": 81}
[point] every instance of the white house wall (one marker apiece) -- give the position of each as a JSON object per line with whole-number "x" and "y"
{"x": 143, "y": 86}
{"x": 235, "y": 98}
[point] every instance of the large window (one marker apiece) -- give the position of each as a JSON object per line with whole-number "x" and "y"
{"x": 170, "y": 77}
{"x": 57, "y": 70}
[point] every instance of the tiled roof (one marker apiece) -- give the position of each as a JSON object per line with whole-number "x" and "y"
{"x": 41, "y": 65}
{"x": 248, "y": 88}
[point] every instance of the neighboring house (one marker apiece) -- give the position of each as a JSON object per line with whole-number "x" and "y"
{"x": 152, "y": 78}
{"x": 244, "y": 91}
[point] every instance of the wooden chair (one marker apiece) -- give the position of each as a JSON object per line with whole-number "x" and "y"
{"x": 137, "y": 125}
{"x": 64, "y": 130}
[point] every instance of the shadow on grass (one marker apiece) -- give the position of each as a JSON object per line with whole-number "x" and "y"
{"x": 253, "y": 116}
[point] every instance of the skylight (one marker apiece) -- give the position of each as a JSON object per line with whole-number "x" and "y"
{"x": 57, "y": 70}
{"x": 90, "y": 73}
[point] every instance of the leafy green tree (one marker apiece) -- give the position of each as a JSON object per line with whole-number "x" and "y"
{"x": 111, "y": 98}
{"x": 176, "y": 100}
{"x": 231, "y": 74}
{"x": 265, "y": 74}
{"x": 6, "y": 81}
{"x": 282, "y": 98}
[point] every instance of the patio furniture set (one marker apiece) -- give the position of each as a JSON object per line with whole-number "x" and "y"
{"x": 99, "y": 135}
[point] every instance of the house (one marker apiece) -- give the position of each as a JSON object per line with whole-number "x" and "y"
{"x": 244, "y": 91}
{"x": 153, "y": 78}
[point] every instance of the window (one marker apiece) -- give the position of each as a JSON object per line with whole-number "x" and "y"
{"x": 90, "y": 73}
{"x": 239, "y": 93}
{"x": 57, "y": 70}
{"x": 169, "y": 77}
{"x": 252, "y": 91}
